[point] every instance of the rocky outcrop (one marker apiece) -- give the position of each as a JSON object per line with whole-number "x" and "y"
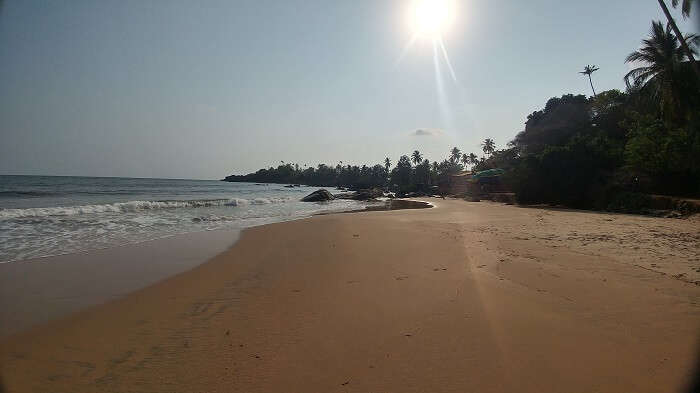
{"x": 318, "y": 196}
{"x": 362, "y": 195}
{"x": 345, "y": 195}
{"x": 365, "y": 195}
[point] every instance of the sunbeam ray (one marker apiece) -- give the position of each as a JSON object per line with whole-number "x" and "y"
{"x": 447, "y": 59}
{"x": 442, "y": 97}
{"x": 406, "y": 48}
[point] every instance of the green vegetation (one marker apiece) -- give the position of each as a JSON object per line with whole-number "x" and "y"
{"x": 687, "y": 50}
{"x": 609, "y": 151}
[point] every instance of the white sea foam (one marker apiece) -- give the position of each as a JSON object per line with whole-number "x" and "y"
{"x": 132, "y": 206}
{"x": 41, "y": 216}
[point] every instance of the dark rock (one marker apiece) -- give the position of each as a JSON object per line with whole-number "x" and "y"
{"x": 365, "y": 195}
{"x": 345, "y": 195}
{"x": 318, "y": 196}
{"x": 361, "y": 195}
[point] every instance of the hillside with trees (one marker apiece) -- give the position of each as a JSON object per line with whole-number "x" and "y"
{"x": 609, "y": 151}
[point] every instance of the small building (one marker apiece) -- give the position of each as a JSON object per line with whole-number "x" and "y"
{"x": 460, "y": 183}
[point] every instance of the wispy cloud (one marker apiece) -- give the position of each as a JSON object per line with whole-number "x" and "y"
{"x": 426, "y": 132}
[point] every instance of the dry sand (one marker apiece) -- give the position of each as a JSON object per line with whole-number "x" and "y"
{"x": 466, "y": 297}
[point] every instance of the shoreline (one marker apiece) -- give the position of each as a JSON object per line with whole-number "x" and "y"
{"x": 100, "y": 275}
{"x": 463, "y": 296}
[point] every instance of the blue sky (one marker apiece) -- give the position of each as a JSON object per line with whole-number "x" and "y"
{"x": 205, "y": 89}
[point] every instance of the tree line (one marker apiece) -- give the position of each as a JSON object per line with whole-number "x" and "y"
{"x": 411, "y": 173}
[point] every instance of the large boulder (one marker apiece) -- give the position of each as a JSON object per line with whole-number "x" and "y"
{"x": 318, "y": 196}
{"x": 361, "y": 195}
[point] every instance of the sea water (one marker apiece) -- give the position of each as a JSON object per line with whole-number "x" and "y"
{"x": 42, "y": 216}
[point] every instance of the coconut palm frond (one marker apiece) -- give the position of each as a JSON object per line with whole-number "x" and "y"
{"x": 589, "y": 69}
{"x": 661, "y": 66}
{"x": 640, "y": 76}
{"x": 693, "y": 41}
{"x": 686, "y": 6}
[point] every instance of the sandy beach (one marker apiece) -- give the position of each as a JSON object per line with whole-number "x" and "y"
{"x": 38, "y": 290}
{"x": 463, "y": 297}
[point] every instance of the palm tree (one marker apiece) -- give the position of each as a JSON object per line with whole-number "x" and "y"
{"x": 416, "y": 157}
{"x": 465, "y": 160}
{"x": 387, "y": 166}
{"x": 684, "y": 42}
{"x": 489, "y": 146}
{"x": 588, "y": 70}
{"x": 426, "y": 166}
{"x": 473, "y": 159}
{"x": 455, "y": 154}
{"x": 662, "y": 70}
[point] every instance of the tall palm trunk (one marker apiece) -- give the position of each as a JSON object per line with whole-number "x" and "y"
{"x": 591, "y": 82}
{"x": 684, "y": 44}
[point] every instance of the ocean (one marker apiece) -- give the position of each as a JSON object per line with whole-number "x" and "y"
{"x": 43, "y": 216}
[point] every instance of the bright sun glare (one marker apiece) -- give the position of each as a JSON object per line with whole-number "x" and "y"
{"x": 431, "y": 17}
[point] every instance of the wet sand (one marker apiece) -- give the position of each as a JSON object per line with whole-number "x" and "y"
{"x": 38, "y": 290}
{"x": 464, "y": 297}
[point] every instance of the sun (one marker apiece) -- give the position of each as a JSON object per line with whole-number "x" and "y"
{"x": 430, "y": 21}
{"x": 431, "y": 17}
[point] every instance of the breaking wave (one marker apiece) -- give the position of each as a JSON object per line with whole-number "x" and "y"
{"x": 133, "y": 206}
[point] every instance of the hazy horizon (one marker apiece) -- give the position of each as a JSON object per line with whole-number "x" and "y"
{"x": 201, "y": 91}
